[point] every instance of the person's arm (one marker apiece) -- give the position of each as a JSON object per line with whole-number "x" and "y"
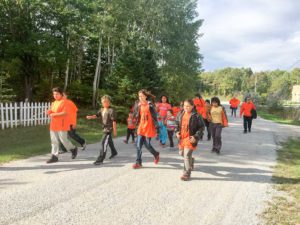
{"x": 91, "y": 117}
{"x": 57, "y": 114}
{"x": 115, "y": 128}
{"x": 241, "y": 110}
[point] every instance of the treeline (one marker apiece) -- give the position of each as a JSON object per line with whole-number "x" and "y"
{"x": 265, "y": 86}
{"x": 91, "y": 47}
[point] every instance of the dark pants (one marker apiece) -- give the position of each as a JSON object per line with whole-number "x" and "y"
{"x": 170, "y": 135}
{"x": 72, "y": 134}
{"x": 147, "y": 141}
{"x": 233, "y": 111}
{"x": 107, "y": 141}
{"x": 247, "y": 123}
{"x": 208, "y": 128}
{"x": 216, "y": 130}
{"x": 130, "y": 132}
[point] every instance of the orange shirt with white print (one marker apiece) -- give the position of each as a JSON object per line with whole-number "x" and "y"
{"x": 185, "y": 133}
{"x": 234, "y": 102}
{"x": 72, "y": 112}
{"x": 146, "y": 126}
{"x": 246, "y": 109}
{"x": 130, "y": 122}
{"x": 59, "y": 123}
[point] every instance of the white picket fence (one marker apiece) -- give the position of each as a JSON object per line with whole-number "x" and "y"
{"x": 23, "y": 114}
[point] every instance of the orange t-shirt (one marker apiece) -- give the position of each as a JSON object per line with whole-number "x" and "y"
{"x": 59, "y": 123}
{"x": 72, "y": 112}
{"x": 199, "y": 104}
{"x": 185, "y": 133}
{"x": 163, "y": 109}
{"x": 130, "y": 123}
{"x": 146, "y": 127}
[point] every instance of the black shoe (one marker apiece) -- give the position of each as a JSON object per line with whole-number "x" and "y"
{"x": 74, "y": 152}
{"x": 245, "y": 132}
{"x": 213, "y": 150}
{"x": 249, "y": 130}
{"x": 98, "y": 162}
{"x": 208, "y": 139}
{"x": 218, "y": 152}
{"x": 113, "y": 155}
{"x": 53, "y": 159}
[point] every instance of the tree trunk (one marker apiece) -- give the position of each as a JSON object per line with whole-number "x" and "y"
{"x": 67, "y": 66}
{"x": 97, "y": 72}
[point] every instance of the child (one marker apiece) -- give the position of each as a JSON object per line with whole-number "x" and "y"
{"x": 217, "y": 117}
{"x": 107, "y": 116}
{"x": 204, "y": 114}
{"x": 162, "y": 107}
{"x": 171, "y": 125}
{"x": 234, "y": 103}
{"x": 59, "y": 126}
{"x": 189, "y": 130}
{"x": 130, "y": 127}
{"x": 72, "y": 116}
{"x": 147, "y": 125}
{"x": 246, "y": 111}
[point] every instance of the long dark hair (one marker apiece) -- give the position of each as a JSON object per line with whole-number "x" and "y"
{"x": 149, "y": 96}
{"x": 58, "y": 89}
{"x": 166, "y": 98}
{"x": 216, "y": 100}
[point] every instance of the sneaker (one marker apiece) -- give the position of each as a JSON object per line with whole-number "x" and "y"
{"x": 245, "y": 132}
{"x": 213, "y": 150}
{"x": 218, "y": 152}
{"x": 185, "y": 177}
{"x": 137, "y": 166}
{"x": 249, "y": 130}
{"x": 113, "y": 155}
{"x": 156, "y": 158}
{"x": 98, "y": 162}
{"x": 84, "y": 145}
{"x": 74, "y": 152}
{"x": 208, "y": 139}
{"x": 53, "y": 159}
{"x": 126, "y": 142}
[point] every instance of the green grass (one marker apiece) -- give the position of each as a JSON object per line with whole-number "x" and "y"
{"x": 277, "y": 119}
{"x": 24, "y": 142}
{"x": 284, "y": 209}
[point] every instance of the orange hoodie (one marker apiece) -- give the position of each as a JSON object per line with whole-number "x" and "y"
{"x": 234, "y": 102}
{"x": 246, "y": 109}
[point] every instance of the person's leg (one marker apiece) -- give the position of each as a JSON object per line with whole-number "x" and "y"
{"x": 213, "y": 133}
{"x": 139, "y": 145}
{"x": 170, "y": 135}
{"x": 62, "y": 148}
{"x": 218, "y": 138}
{"x": 112, "y": 146}
{"x": 150, "y": 147}
{"x": 208, "y": 129}
{"x": 72, "y": 133}
{"x": 187, "y": 159}
{"x": 245, "y": 124}
{"x": 54, "y": 143}
{"x": 103, "y": 149}
{"x": 249, "y": 124}
{"x": 132, "y": 134}
{"x": 63, "y": 137}
{"x": 128, "y": 135}
{"x": 164, "y": 135}
{"x": 234, "y": 111}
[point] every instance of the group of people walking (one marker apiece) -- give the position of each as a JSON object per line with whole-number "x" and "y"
{"x": 148, "y": 120}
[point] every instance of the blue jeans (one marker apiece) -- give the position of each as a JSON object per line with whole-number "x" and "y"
{"x": 140, "y": 141}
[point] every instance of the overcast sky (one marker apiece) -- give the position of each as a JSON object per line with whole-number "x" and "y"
{"x": 261, "y": 34}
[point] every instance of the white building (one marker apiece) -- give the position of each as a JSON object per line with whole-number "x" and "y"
{"x": 296, "y": 93}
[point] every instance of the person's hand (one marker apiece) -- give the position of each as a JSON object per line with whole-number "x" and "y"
{"x": 52, "y": 115}
{"x": 192, "y": 139}
{"x": 115, "y": 133}
{"x": 178, "y": 135}
{"x": 49, "y": 112}
{"x": 89, "y": 117}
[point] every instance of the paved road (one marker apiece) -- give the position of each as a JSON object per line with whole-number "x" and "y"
{"x": 230, "y": 189}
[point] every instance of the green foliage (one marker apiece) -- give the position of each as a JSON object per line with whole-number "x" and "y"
{"x": 145, "y": 44}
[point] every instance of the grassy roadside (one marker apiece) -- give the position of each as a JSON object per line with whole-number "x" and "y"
{"x": 275, "y": 118}
{"x": 24, "y": 142}
{"x": 284, "y": 209}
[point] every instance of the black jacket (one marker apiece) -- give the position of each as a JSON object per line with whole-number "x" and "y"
{"x": 136, "y": 113}
{"x": 196, "y": 125}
